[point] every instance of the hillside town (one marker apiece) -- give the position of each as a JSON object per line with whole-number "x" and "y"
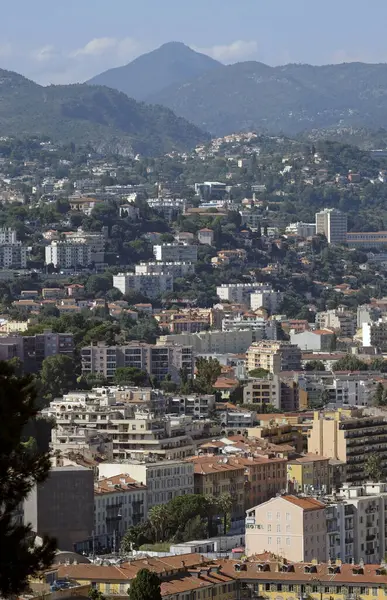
{"x": 209, "y": 356}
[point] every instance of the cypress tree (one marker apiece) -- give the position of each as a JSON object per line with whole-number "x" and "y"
{"x": 145, "y": 586}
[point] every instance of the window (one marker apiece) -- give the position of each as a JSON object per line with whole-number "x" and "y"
{"x": 278, "y": 528}
{"x": 374, "y": 591}
{"x": 269, "y": 516}
{"x": 269, "y": 527}
{"x": 278, "y": 541}
{"x": 269, "y": 541}
{"x": 287, "y": 528}
{"x": 278, "y": 516}
{"x": 288, "y": 541}
{"x": 288, "y": 516}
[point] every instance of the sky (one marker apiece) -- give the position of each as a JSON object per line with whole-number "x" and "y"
{"x": 68, "y": 41}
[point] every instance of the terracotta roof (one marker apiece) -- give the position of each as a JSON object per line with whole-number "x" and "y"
{"x": 305, "y": 503}
{"x": 118, "y": 483}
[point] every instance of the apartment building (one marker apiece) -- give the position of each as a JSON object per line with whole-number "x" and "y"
{"x": 240, "y": 293}
{"x": 8, "y": 235}
{"x": 164, "y": 480}
{"x": 375, "y": 334}
{"x": 351, "y": 439}
{"x": 65, "y": 255}
{"x": 149, "y": 284}
{"x": 357, "y": 523}
{"x": 319, "y": 340}
{"x": 169, "y": 208}
{"x": 262, "y": 392}
{"x": 300, "y": 229}
{"x": 33, "y": 349}
{"x": 13, "y": 256}
{"x": 206, "y": 236}
{"x": 333, "y": 224}
{"x": 176, "y": 269}
{"x": 260, "y": 328}
{"x": 367, "y": 239}
{"x": 63, "y": 506}
{"x": 268, "y": 299}
{"x": 175, "y": 252}
{"x": 212, "y": 342}
{"x": 340, "y": 320}
{"x": 158, "y": 361}
{"x": 309, "y": 474}
{"x": 200, "y": 406}
{"x": 120, "y": 502}
{"x": 288, "y": 526}
{"x": 96, "y": 241}
{"x": 274, "y": 356}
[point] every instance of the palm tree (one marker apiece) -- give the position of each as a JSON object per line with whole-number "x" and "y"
{"x": 159, "y": 517}
{"x": 225, "y": 504}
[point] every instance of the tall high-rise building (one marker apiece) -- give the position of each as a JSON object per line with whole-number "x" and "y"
{"x": 333, "y": 224}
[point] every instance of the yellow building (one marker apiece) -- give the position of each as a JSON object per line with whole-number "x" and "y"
{"x": 308, "y": 473}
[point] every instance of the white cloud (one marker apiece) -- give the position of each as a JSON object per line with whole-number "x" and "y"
{"x": 44, "y": 54}
{"x": 125, "y": 48}
{"x": 234, "y": 52}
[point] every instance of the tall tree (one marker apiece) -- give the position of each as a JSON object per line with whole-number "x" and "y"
{"x": 207, "y": 372}
{"x": 373, "y": 468}
{"x": 58, "y": 376}
{"x": 22, "y": 466}
{"x": 145, "y": 586}
{"x": 225, "y": 503}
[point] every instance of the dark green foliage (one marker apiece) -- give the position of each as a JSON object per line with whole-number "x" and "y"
{"x": 350, "y": 363}
{"x": 315, "y": 365}
{"x": 145, "y": 586}
{"x": 104, "y": 118}
{"x": 130, "y": 376}
{"x": 95, "y": 594}
{"x": 21, "y": 467}
{"x": 374, "y": 468}
{"x": 58, "y": 376}
{"x": 207, "y": 372}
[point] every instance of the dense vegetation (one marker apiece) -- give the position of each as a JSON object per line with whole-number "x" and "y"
{"x": 105, "y": 118}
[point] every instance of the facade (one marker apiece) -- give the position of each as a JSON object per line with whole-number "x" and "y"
{"x": 350, "y": 439}
{"x": 288, "y": 526}
{"x": 274, "y": 356}
{"x": 212, "y": 342}
{"x": 200, "y": 406}
{"x": 176, "y": 252}
{"x": 262, "y": 392}
{"x": 375, "y": 334}
{"x": 164, "y": 480}
{"x": 176, "y": 269}
{"x": 158, "y": 361}
{"x": 149, "y": 284}
{"x": 320, "y": 340}
{"x": 33, "y": 349}
{"x": 63, "y": 506}
{"x": 239, "y": 293}
{"x": 303, "y": 230}
{"x": 13, "y": 256}
{"x": 119, "y": 503}
{"x": 68, "y": 255}
{"x": 340, "y": 319}
{"x": 309, "y": 474}
{"x": 260, "y": 328}
{"x": 206, "y": 236}
{"x": 367, "y": 239}
{"x": 333, "y": 224}
{"x": 268, "y": 299}
{"x": 8, "y": 235}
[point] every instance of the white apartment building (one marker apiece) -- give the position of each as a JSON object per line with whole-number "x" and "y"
{"x": 212, "y": 342}
{"x": 333, "y": 224}
{"x": 303, "y": 230}
{"x": 357, "y": 524}
{"x": 96, "y": 241}
{"x": 149, "y": 284}
{"x": 169, "y": 208}
{"x": 164, "y": 480}
{"x": 251, "y": 219}
{"x": 260, "y": 328}
{"x": 340, "y": 319}
{"x": 119, "y": 503}
{"x": 289, "y": 526}
{"x": 239, "y": 293}
{"x": 176, "y": 269}
{"x": 13, "y": 255}
{"x": 176, "y": 252}
{"x": 68, "y": 255}
{"x": 268, "y": 299}
{"x": 8, "y": 235}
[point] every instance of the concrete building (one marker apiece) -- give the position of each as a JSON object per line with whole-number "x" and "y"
{"x": 333, "y": 224}
{"x": 8, "y": 235}
{"x": 367, "y": 239}
{"x": 320, "y": 340}
{"x": 199, "y": 406}
{"x": 211, "y": 190}
{"x": 303, "y": 230}
{"x": 164, "y": 480}
{"x": 176, "y": 269}
{"x": 158, "y": 361}
{"x": 120, "y": 502}
{"x": 289, "y": 526}
{"x": 67, "y": 255}
{"x": 268, "y": 299}
{"x": 375, "y": 334}
{"x": 13, "y": 256}
{"x": 63, "y": 506}
{"x": 262, "y": 392}
{"x": 356, "y": 524}
{"x": 33, "y": 349}
{"x": 176, "y": 252}
{"x": 340, "y": 320}
{"x": 274, "y": 356}
{"x": 149, "y": 284}
{"x": 350, "y": 439}
{"x": 309, "y": 474}
{"x": 260, "y": 328}
{"x": 239, "y": 293}
{"x": 212, "y": 342}
{"x": 169, "y": 208}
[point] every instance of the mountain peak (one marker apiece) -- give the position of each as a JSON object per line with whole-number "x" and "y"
{"x": 149, "y": 74}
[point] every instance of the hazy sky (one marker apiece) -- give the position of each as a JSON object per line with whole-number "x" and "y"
{"x": 63, "y": 41}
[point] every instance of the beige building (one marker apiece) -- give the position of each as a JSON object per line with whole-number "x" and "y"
{"x": 288, "y": 526}
{"x": 333, "y": 224}
{"x": 351, "y": 439}
{"x": 212, "y": 342}
{"x": 274, "y": 356}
